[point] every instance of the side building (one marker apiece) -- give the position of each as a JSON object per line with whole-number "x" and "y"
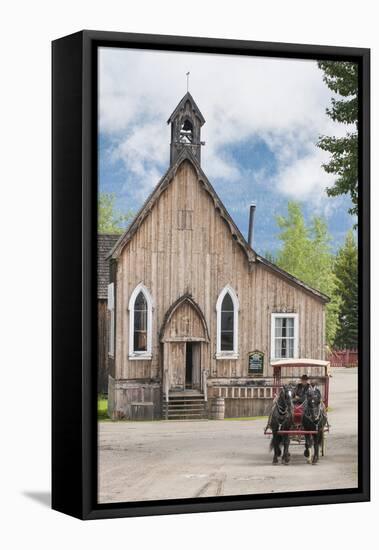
{"x": 105, "y": 243}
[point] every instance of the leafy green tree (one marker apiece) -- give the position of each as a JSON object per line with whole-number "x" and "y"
{"x": 346, "y": 271}
{"x": 342, "y": 79}
{"x": 270, "y": 256}
{"x": 305, "y": 253}
{"x": 110, "y": 220}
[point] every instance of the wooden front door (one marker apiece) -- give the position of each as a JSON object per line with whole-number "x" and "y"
{"x": 183, "y": 365}
{"x": 184, "y": 335}
{"x": 175, "y": 356}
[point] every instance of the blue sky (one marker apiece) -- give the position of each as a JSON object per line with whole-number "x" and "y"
{"x": 263, "y": 118}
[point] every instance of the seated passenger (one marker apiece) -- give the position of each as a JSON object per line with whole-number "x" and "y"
{"x": 301, "y": 389}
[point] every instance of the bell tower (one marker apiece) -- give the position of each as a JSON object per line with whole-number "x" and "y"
{"x": 186, "y": 122}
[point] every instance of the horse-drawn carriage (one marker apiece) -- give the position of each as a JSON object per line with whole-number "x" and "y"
{"x": 302, "y": 422}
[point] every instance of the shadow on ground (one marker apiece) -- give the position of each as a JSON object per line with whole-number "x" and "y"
{"x": 42, "y": 497}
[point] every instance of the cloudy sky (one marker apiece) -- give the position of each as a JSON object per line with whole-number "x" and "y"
{"x": 263, "y": 118}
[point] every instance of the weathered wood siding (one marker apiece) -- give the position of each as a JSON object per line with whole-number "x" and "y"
{"x": 185, "y": 324}
{"x": 172, "y": 262}
{"x": 238, "y": 408}
{"x": 102, "y": 346}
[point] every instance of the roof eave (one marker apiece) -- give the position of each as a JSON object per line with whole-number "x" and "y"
{"x": 316, "y": 293}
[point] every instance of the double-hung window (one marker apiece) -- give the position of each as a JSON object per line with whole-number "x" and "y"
{"x": 284, "y": 336}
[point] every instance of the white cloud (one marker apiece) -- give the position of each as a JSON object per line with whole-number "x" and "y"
{"x": 302, "y": 179}
{"x": 280, "y": 101}
{"x": 141, "y": 147}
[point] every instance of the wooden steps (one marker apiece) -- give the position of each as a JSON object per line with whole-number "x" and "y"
{"x": 186, "y": 405}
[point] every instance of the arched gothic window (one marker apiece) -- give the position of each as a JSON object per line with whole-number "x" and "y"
{"x": 227, "y": 324}
{"x": 140, "y": 323}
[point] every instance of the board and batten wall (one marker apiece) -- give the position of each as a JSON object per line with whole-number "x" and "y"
{"x": 103, "y": 365}
{"x": 201, "y": 261}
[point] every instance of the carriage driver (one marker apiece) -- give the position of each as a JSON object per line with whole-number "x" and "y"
{"x": 301, "y": 389}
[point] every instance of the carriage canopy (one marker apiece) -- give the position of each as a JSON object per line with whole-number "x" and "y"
{"x": 288, "y": 371}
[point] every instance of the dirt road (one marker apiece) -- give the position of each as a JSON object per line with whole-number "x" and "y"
{"x": 166, "y": 459}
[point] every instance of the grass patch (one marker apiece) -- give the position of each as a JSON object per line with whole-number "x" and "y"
{"x": 102, "y": 407}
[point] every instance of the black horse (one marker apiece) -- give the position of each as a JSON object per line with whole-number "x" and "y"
{"x": 314, "y": 419}
{"x": 281, "y": 418}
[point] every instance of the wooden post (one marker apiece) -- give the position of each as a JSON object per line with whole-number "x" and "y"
{"x": 166, "y": 390}
{"x": 205, "y": 389}
{"x": 166, "y": 385}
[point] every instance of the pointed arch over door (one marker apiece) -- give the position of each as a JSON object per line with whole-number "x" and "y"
{"x": 227, "y": 309}
{"x": 184, "y": 321}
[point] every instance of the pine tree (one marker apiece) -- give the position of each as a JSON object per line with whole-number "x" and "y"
{"x": 342, "y": 79}
{"x": 346, "y": 271}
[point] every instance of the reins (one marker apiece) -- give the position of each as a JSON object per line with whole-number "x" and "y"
{"x": 317, "y": 417}
{"x": 286, "y": 408}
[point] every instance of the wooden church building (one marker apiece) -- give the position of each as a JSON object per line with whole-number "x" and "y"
{"x": 196, "y": 316}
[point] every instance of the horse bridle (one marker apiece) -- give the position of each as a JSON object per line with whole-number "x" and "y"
{"x": 317, "y": 417}
{"x": 283, "y": 410}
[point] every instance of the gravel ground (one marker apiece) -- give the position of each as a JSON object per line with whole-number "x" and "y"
{"x": 167, "y": 459}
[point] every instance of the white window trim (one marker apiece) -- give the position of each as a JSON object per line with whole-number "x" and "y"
{"x": 294, "y": 316}
{"x": 233, "y": 354}
{"x": 140, "y": 355}
{"x": 110, "y": 307}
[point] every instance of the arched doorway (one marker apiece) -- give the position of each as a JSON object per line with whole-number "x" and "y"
{"x": 185, "y": 339}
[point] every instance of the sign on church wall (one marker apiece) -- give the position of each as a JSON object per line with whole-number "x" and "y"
{"x": 256, "y": 362}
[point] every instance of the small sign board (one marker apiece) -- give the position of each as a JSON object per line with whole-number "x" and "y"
{"x": 256, "y": 362}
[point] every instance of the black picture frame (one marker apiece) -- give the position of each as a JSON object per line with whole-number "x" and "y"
{"x": 74, "y": 206}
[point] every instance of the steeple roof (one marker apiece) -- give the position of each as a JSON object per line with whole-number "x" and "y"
{"x": 181, "y": 104}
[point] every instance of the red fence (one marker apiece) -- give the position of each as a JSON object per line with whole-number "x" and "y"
{"x": 343, "y": 358}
